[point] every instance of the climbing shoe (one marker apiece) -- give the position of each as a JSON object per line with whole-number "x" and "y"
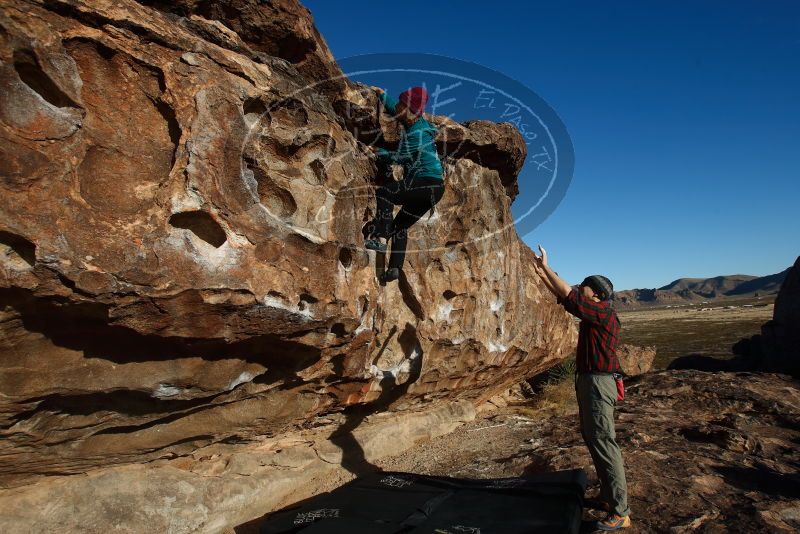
{"x": 390, "y": 275}
{"x": 612, "y": 523}
{"x": 374, "y": 244}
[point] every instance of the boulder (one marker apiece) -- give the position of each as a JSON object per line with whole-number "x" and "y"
{"x": 181, "y": 263}
{"x": 635, "y": 360}
{"x": 784, "y": 331}
{"x": 777, "y": 348}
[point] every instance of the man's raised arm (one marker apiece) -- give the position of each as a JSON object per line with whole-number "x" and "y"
{"x": 553, "y": 282}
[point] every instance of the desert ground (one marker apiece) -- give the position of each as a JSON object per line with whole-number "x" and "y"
{"x": 709, "y": 329}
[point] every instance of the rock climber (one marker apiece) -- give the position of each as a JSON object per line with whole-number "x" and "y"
{"x": 596, "y": 385}
{"x": 422, "y": 185}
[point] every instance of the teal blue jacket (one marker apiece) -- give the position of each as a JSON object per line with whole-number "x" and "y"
{"x": 417, "y": 149}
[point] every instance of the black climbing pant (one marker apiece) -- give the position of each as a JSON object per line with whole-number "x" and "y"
{"x": 415, "y": 198}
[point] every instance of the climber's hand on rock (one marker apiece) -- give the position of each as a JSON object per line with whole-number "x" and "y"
{"x": 378, "y": 90}
{"x": 541, "y": 260}
{"x": 369, "y": 150}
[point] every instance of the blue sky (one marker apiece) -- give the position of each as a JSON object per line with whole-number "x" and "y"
{"x": 684, "y": 116}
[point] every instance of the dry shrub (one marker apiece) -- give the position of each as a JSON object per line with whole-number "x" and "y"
{"x": 556, "y": 398}
{"x": 554, "y": 394}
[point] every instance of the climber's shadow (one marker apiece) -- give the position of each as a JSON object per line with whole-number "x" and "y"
{"x": 353, "y": 457}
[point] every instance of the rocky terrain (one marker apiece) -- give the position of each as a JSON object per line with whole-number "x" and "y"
{"x": 686, "y": 291}
{"x": 183, "y": 291}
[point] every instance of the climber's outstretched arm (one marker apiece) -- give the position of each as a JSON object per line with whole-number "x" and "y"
{"x": 553, "y": 282}
{"x": 389, "y": 102}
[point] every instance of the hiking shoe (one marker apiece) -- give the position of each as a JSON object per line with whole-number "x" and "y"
{"x": 374, "y": 244}
{"x": 612, "y": 523}
{"x": 390, "y": 275}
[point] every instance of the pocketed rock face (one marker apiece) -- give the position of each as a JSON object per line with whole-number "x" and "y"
{"x": 180, "y": 260}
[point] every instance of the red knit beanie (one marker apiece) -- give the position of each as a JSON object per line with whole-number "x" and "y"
{"x": 415, "y": 98}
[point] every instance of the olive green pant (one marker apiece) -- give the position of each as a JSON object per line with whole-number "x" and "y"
{"x": 597, "y": 398}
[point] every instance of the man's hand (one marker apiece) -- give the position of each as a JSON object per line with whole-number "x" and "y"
{"x": 555, "y": 284}
{"x": 378, "y": 90}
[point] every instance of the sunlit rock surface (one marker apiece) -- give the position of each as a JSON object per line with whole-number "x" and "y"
{"x": 181, "y": 265}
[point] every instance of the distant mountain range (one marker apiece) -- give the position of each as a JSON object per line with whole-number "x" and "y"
{"x": 696, "y": 290}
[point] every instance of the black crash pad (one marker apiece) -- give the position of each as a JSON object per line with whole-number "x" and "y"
{"x": 407, "y": 503}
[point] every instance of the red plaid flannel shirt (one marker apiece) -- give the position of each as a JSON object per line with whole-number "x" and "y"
{"x": 598, "y": 334}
